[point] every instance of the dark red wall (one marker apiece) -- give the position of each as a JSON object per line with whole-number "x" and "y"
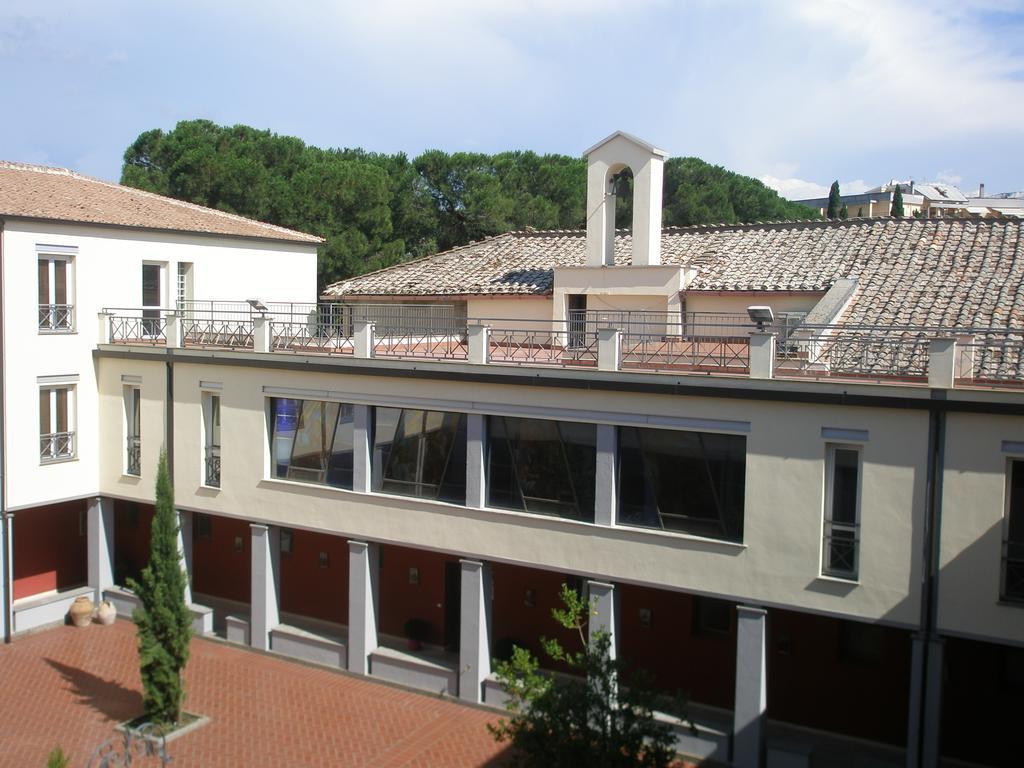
{"x": 309, "y": 589}
{"x": 133, "y": 524}
{"x": 49, "y": 549}
{"x": 982, "y": 702}
{"x": 810, "y": 683}
{"x": 400, "y": 600}
{"x": 701, "y": 665}
{"x": 217, "y": 568}
{"x": 513, "y": 621}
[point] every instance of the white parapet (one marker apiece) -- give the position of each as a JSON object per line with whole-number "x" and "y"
{"x": 608, "y": 340}
{"x": 261, "y": 336}
{"x": 762, "y": 355}
{"x": 479, "y": 339}
{"x": 363, "y": 338}
{"x": 941, "y": 362}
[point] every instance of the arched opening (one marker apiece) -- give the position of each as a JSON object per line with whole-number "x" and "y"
{"x": 620, "y": 187}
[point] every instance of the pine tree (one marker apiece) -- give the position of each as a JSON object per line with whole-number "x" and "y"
{"x": 163, "y": 622}
{"x": 833, "y": 200}
{"x": 844, "y": 213}
{"x": 897, "y": 203}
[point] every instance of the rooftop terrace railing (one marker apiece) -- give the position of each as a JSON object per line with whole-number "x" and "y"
{"x": 705, "y": 343}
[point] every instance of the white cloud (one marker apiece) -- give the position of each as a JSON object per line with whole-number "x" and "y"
{"x": 800, "y": 189}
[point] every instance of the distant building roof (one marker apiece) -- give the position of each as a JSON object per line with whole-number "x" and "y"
{"x": 58, "y": 194}
{"x": 909, "y": 271}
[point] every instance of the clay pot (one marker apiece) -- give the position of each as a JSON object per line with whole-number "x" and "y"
{"x": 81, "y": 612}
{"x": 106, "y": 613}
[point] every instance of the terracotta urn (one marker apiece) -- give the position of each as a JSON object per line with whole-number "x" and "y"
{"x": 81, "y": 612}
{"x": 106, "y": 613}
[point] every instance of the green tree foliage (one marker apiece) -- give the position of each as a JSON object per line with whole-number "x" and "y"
{"x": 163, "y": 622}
{"x": 833, "y": 201}
{"x": 57, "y": 758}
{"x": 375, "y": 210}
{"x": 588, "y": 720}
{"x": 897, "y": 203}
{"x": 844, "y": 212}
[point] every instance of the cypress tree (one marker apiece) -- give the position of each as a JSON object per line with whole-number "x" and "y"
{"x": 897, "y": 203}
{"x": 163, "y": 622}
{"x": 833, "y": 200}
{"x": 843, "y": 212}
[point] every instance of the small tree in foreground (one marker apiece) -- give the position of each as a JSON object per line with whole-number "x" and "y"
{"x": 585, "y": 721}
{"x": 163, "y": 622}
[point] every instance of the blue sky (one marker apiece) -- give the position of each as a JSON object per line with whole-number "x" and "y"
{"x": 795, "y": 92}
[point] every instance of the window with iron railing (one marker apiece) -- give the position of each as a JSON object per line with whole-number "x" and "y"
{"x": 1013, "y": 542}
{"x": 56, "y": 313}
{"x": 56, "y": 435}
{"x": 841, "y": 536}
{"x": 133, "y": 424}
{"x": 211, "y": 422}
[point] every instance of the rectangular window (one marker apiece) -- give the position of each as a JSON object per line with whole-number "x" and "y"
{"x": 1013, "y": 545}
{"x": 541, "y": 466}
{"x": 133, "y": 430}
{"x": 312, "y": 441}
{"x": 152, "y": 297}
{"x": 56, "y": 417}
{"x": 211, "y": 440}
{"x": 840, "y": 553}
{"x": 183, "y": 287}
{"x": 55, "y": 308}
{"x": 420, "y": 453}
{"x": 690, "y": 482}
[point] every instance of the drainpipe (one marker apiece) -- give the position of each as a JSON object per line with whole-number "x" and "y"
{"x": 921, "y": 755}
{"x": 169, "y": 415}
{"x": 8, "y": 553}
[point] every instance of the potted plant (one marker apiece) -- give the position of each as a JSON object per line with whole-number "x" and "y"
{"x": 416, "y": 632}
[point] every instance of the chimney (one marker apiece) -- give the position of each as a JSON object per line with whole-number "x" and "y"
{"x": 981, "y": 189}
{"x": 604, "y": 160}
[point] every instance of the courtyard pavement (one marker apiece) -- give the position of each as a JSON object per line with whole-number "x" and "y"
{"x": 71, "y": 686}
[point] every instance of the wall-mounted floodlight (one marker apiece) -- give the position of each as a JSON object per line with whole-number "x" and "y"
{"x": 761, "y": 316}
{"x": 257, "y": 305}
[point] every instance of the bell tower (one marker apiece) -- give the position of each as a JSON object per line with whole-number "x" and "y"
{"x": 604, "y": 160}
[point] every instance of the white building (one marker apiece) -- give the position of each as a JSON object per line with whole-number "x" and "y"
{"x": 814, "y": 527}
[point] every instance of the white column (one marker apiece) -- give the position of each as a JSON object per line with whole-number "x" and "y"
{"x": 263, "y": 615}
{"x": 605, "y": 613}
{"x": 100, "y": 543}
{"x": 185, "y": 549}
{"x": 475, "y": 629}
{"x": 362, "y": 447}
{"x": 941, "y": 363}
{"x": 479, "y": 340}
{"x": 924, "y": 721}
{"x": 605, "y": 496}
{"x": 5, "y": 577}
{"x": 751, "y": 688}
{"x": 476, "y": 435}
{"x": 173, "y": 330}
{"x": 363, "y": 333}
{"x": 608, "y": 349}
{"x": 762, "y": 355}
{"x": 363, "y": 603}
{"x": 261, "y": 335}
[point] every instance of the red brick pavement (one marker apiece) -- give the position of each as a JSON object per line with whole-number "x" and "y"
{"x": 70, "y": 687}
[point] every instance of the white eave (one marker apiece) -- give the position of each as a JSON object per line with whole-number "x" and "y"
{"x": 628, "y": 137}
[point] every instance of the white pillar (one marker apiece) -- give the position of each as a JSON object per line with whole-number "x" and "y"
{"x": 185, "y": 549}
{"x": 263, "y": 615}
{"x": 173, "y": 330}
{"x": 479, "y": 339}
{"x": 608, "y": 349}
{"x": 751, "y": 688}
{"x": 262, "y": 340}
{"x": 605, "y": 495}
{"x": 363, "y": 332}
{"x": 5, "y": 578}
{"x": 762, "y": 355}
{"x": 475, "y": 629}
{"x": 363, "y": 603}
{"x": 924, "y": 720}
{"x": 476, "y": 451}
{"x": 362, "y": 448}
{"x": 100, "y": 543}
{"x": 605, "y": 613}
{"x": 941, "y": 363}
{"x": 103, "y": 327}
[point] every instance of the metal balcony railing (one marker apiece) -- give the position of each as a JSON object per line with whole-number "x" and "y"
{"x": 666, "y": 342}
{"x": 56, "y": 318}
{"x": 213, "y": 466}
{"x": 842, "y": 541}
{"x": 56, "y": 446}
{"x": 133, "y": 459}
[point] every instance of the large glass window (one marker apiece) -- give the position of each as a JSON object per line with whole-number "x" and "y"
{"x": 420, "y": 453}
{"x": 56, "y": 435}
{"x": 1013, "y": 546}
{"x": 311, "y": 441}
{"x": 691, "y": 482}
{"x": 842, "y": 492}
{"x": 133, "y": 430}
{"x": 541, "y": 466}
{"x": 55, "y": 310}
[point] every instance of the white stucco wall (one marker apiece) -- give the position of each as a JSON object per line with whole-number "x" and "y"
{"x": 778, "y": 563}
{"x": 532, "y": 308}
{"x": 108, "y": 273}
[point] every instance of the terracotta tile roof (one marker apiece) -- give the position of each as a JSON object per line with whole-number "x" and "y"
{"x": 38, "y": 192}
{"x": 939, "y": 271}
